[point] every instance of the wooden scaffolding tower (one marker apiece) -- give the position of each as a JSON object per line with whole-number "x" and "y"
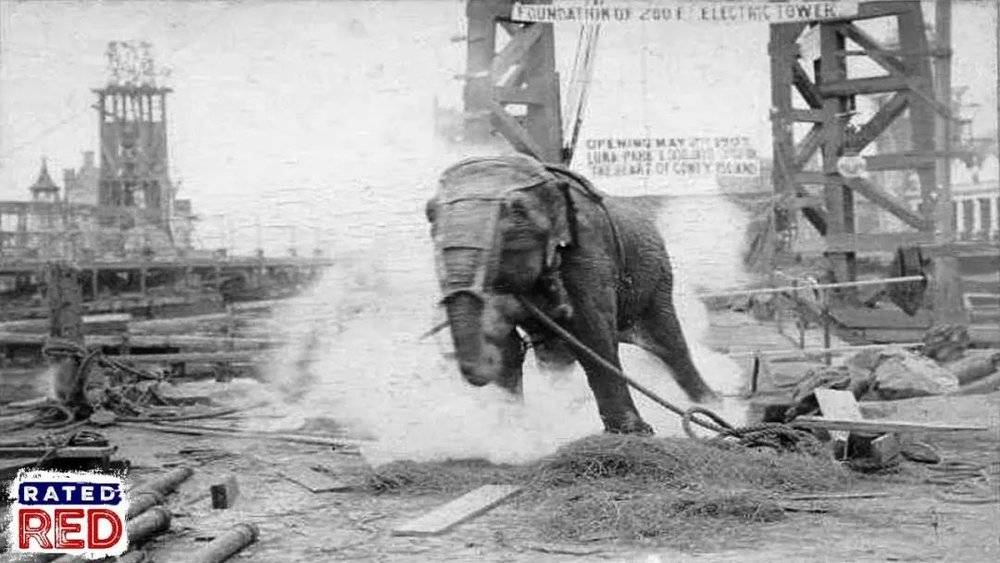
{"x": 829, "y": 97}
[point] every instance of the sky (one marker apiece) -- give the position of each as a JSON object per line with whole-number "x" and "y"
{"x": 302, "y": 108}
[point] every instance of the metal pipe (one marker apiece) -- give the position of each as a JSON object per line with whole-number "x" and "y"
{"x": 226, "y": 544}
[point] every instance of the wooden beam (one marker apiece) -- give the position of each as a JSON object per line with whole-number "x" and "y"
{"x": 896, "y": 67}
{"x": 881, "y": 426}
{"x": 878, "y": 123}
{"x": 809, "y": 145}
{"x": 870, "y": 85}
{"x": 514, "y": 133}
{"x": 874, "y": 242}
{"x": 811, "y": 177}
{"x": 839, "y": 200}
{"x": 898, "y": 161}
{"x": 806, "y": 88}
{"x": 876, "y": 195}
{"x": 514, "y": 52}
{"x": 467, "y": 506}
{"x": 807, "y": 115}
{"x": 528, "y": 95}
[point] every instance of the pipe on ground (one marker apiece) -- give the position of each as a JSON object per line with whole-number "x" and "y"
{"x": 226, "y": 544}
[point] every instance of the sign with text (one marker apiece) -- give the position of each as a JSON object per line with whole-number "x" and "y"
{"x": 686, "y": 157}
{"x": 681, "y": 11}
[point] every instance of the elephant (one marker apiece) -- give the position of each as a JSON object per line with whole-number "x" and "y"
{"x": 511, "y": 226}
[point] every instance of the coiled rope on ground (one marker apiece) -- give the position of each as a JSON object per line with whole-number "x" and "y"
{"x": 777, "y": 436}
{"x": 125, "y": 394}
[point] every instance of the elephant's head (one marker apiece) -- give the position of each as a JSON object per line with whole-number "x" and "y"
{"x": 497, "y": 224}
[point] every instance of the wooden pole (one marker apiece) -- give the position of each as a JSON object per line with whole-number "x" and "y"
{"x": 66, "y": 323}
{"x": 947, "y": 292}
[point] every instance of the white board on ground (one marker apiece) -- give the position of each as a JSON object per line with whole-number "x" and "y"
{"x": 834, "y": 403}
{"x": 463, "y": 508}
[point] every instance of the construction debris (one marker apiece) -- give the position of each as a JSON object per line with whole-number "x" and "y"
{"x": 224, "y": 493}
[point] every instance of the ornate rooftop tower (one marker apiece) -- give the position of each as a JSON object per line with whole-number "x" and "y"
{"x": 133, "y": 133}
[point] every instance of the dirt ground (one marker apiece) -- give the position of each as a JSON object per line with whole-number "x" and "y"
{"x": 909, "y": 524}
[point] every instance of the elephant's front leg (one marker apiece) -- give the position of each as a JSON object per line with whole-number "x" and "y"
{"x": 595, "y": 328}
{"x": 512, "y": 354}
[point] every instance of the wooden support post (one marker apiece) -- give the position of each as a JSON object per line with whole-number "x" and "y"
{"x": 839, "y": 198}
{"x": 947, "y": 283}
{"x": 481, "y": 46}
{"x": 66, "y": 323}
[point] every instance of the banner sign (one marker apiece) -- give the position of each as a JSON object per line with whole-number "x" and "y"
{"x": 680, "y": 11}
{"x": 686, "y": 157}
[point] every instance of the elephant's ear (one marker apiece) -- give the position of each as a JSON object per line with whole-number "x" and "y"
{"x": 563, "y": 231}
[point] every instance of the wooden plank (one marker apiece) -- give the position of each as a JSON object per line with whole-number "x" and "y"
{"x": 870, "y": 85}
{"x": 315, "y": 481}
{"x": 879, "y": 122}
{"x": 835, "y": 403}
{"x": 876, "y": 195}
{"x": 465, "y": 507}
{"x": 881, "y": 426}
{"x": 875, "y": 242}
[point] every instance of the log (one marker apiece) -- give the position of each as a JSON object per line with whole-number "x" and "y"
{"x": 226, "y": 544}
{"x": 141, "y": 501}
{"x": 140, "y": 529}
{"x": 463, "y": 508}
{"x": 166, "y": 483}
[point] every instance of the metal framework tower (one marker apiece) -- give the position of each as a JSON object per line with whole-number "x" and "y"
{"x": 133, "y": 134}
{"x": 511, "y": 83}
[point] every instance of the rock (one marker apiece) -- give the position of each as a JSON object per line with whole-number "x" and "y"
{"x": 839, "y": 377}
{"x": 975, "y": 365}
{"x": 903, "y": 374}
{"x": 946, "y": 343}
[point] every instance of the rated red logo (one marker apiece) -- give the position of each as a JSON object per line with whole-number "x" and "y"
{"x": 68, "y": 512}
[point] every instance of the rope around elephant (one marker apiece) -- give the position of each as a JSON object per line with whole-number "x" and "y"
{"x": 778, "y": 436}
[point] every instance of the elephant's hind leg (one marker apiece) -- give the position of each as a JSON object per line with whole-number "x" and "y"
{"x": 660, "y": 333}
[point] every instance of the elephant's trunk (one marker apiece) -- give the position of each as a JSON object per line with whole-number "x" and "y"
{"x": 465, "y": 315}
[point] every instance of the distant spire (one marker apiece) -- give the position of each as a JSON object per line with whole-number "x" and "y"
{"x": 44, "y": 183}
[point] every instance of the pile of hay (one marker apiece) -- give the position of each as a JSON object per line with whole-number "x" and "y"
{"x": 674, "y": 490}
{"x": 679, "y": 491}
